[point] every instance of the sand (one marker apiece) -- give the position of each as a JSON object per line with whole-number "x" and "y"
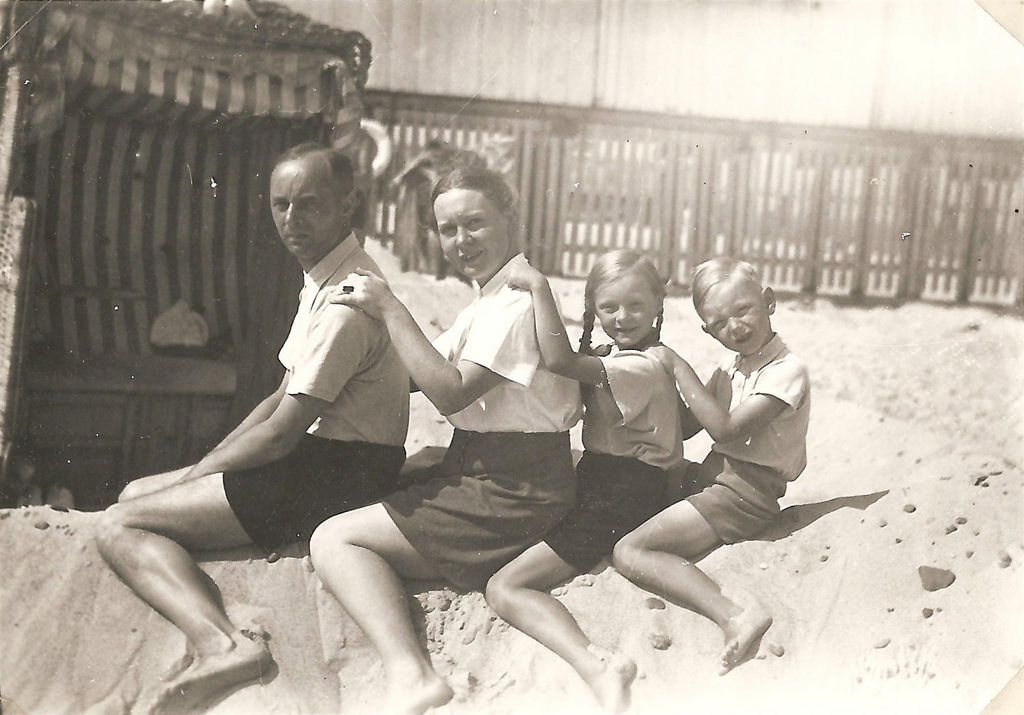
{"x": 915, "y": 456}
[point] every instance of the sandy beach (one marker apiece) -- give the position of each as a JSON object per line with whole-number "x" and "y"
{"x": 893, "y": 574}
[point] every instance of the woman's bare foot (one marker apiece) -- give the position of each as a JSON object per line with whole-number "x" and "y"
{"x": 408, "y": 697}
{"x": 179, "y": 666}
{"x": 208, "y": 676}
{"x": 743, "y": 633}
{"x": 611, "y": 685}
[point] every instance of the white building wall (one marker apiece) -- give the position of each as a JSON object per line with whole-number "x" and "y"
{"x": 943, "y": 66}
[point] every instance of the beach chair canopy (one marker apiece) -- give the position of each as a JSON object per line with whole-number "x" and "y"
{"x": 169, "y": 61}
{"x": 134, "y": 140}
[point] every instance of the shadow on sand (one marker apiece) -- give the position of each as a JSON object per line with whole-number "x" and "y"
{"x": 796, "y": 517}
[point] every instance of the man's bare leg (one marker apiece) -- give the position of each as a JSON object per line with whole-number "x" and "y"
{"x": 153, "y": 483}
{"x": 145, "y": 540}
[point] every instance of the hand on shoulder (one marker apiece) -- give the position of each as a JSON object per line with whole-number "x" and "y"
{"x": 364, "y": 290}
{"x": 665, "y": 355}
{"x": 524, "y": 277}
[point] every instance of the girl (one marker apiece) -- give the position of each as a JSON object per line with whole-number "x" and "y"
{"x": 507, "y": 476}
{"x": 631, "y": 434}
{"x": 756, "y": 407}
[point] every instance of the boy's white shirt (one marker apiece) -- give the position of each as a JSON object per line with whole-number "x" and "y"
{"x": 778, "y": 373}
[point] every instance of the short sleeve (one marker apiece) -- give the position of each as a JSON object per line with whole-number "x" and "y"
{"x": 502, "y": 337}
{"x": 786, "y": 380}
{"x": 336, "y": 345}
{"x": 443, "y": 344}
{"x": 631, "y": 380}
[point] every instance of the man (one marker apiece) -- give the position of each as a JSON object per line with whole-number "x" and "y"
{"x": 329, "y": 439}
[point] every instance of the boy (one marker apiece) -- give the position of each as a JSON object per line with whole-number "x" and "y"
{"x": 756, "y": 408}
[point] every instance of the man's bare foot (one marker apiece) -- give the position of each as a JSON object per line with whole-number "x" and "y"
{"x": 208, "y": 676}
{"x": 611, "y": 685}
{"x": 415, "y": 698}
{"x": 743, "y": 633}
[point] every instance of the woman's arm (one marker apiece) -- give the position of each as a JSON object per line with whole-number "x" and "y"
{"x": 449, "y": 387}
{"x": 559, "y": 357}
{"x": 749, "y": 416}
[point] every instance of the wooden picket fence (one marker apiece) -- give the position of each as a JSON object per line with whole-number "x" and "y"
{"x": 839, "y": 212}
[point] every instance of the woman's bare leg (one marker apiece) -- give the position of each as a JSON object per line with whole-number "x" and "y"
{"x": 361, "y": 556}
{"x": 657, "y": 555}
{"x": 520, "y": 593}
{"x": 144, "y": 541}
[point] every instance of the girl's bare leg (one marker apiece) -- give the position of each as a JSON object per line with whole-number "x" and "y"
{"x": 144, "y": 541}
{"x": 361, "y": 556}
{"x": 519, "y": 593}
{"x": 657, "y": 556}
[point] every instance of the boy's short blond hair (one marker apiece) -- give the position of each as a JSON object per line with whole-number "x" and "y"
{"x": 716, "y": 270}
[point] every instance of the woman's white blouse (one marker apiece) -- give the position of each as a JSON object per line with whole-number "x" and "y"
{"x": 497, "y": 331}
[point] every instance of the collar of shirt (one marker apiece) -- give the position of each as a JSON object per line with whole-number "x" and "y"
{"x": 499, "y": 279}
{"x": 762, "y": 357}
{"x": 329, "y": 264}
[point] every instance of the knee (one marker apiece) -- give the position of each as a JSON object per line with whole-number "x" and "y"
{"x": 624, "y": 557}
{"x": 110, "y": 526}
{"x": 130, "y": 491}
{"x": 327, "y": 539}
{"x": 498, "y": 594}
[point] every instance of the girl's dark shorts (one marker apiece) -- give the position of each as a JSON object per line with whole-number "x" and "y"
{"x": 284, "y": 501}
{"x": 616, "y": 495}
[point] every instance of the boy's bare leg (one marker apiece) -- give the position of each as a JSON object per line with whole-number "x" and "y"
{"x": 657, "y": 556}
{"x": 145, "y": 540}
{"x": 519, "y": 593}
{"x": 360, "y": 556}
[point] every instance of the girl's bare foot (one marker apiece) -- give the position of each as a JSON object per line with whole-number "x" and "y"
{"x": 415, "y": 698}
{"x": 743, "y": 633}
{"x": 210, "y": 675}
{"x": 611, "y": 685}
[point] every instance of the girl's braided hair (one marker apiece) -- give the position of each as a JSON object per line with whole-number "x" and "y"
{"x": 609, "y": 267}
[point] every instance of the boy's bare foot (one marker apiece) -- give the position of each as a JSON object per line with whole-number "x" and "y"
{"x": 743, "y": 633}
{"x": 208, "y": 676}
{"x": 611, "y": 685}
{"x": 415, "y": 698}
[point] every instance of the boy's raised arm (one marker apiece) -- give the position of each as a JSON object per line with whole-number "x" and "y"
{"x": 723, "y": 426}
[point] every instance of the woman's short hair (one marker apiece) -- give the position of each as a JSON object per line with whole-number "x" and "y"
{"x": 340, "y": 165}
{"x": 476, "y": 178}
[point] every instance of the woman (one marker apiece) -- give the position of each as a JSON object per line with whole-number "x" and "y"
{"x": 508, "y": 474}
